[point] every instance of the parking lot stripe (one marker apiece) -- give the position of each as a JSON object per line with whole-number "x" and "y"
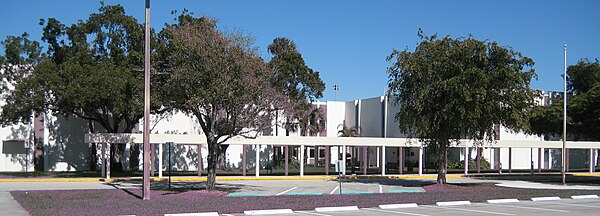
{"x": 533, "y": 208}
{"x": 406, "y": 191}
{"x": 285, "y": 191}
{"x": 311, "y": 213}
{"x": 471, "y": 210}
{"x": 357, "y": 192}
{"x": 380, "y": 188}
{"x": 334, "y": 190}
{"x": 304, "y": 193}
{"x": 579, "y": 205}
{"x": 395, "y": 212}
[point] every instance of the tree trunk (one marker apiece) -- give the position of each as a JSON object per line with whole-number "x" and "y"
{"x": 213, "y": 160}
{"x": 116, "y": 157}
{"x": 222, "y": 160}
{"x": 442, "y": 164}
{"x": 93, "y": 150}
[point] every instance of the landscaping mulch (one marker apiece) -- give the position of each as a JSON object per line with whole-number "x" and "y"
{"x": 125, "y": 202}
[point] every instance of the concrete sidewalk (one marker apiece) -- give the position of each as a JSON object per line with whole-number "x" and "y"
{"x": 10, "y": 206}
{"x": 226, "y": 178}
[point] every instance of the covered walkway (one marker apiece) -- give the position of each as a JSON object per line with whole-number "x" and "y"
{"x": 106, "y": 139}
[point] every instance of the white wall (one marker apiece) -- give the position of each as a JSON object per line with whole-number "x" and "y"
{"x": 67, "y": 150}
{"x": 8, "y": 160}
{"x": 335, "y": 117}
{"x": 371, "y": 117}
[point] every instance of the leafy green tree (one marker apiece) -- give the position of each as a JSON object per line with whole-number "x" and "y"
{"x": 17, "y": 64}
{"x": 219, "y": 78}
{"x": 583, "y": 108}
{"x": 291, "y": 74}
{"x": 93, "y": 70}
{"x": 450, "y": 89}
{"x": 300, "y": 84}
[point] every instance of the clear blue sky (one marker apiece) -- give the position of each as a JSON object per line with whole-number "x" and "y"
{"x": 348, "y": 41}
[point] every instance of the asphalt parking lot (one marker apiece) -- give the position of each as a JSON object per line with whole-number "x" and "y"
{"x": 270, "y": 188}
{"x": 564, "y": 206}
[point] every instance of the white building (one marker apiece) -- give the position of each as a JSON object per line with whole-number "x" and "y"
{"x": 60, "y": 145}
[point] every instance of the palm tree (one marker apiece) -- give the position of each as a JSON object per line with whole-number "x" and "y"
{"x": 348, "y": 132}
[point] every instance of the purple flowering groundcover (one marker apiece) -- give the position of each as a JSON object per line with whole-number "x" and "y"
{"x": 127, "y": 202}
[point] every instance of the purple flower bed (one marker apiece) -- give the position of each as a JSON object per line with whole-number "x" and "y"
{"x": 121, "y": 202}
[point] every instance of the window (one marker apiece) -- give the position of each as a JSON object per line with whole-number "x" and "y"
{"x": 13, "y": 147}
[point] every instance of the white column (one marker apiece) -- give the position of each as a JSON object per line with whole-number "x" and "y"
{"x": 160, "y": 160}
{"x": 591, "y": 160}
{"x": 466, "y": 160}
{"x": 344, "y": 159}
{"x": 421, "y": 160}
{"x": 126, "y": 156}
{"x": 301, "y": 160}
{"x": 550, "y": 158}
{"x": 108, "y": 163}
{"x": 378, "y": 158}
{"x": 46, "y": 141}
{"x": 492, "y": 157}
{"x": 383, "y": 160}
{"x": 540, "y": 159}
{"x": 317, "y": 155}
{"x": 257, "y": 168}
{"x": 103, "y": 162}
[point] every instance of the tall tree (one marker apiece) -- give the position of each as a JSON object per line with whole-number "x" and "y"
{"x": 94, "y": 71}
{"x": 300, "y": 84}
{"x": 291, "y": 74}
{"x": 219, "y": 78}
{"x": 20, "y": 57}
{"x": 583, "y": 84}
{"x": 450, "y": 89}
{"x": 17, "y": 63}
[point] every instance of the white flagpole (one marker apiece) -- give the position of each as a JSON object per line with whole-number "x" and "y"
{"x": 564, "y": 160}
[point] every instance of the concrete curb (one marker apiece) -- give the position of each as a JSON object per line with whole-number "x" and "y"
{"x": 223, "y": 178}
{"x": 333, "y": 209}
{"x": 269, "y": 212}
{"x": 52, "y": 180}
{"x": 584, "y": 197}
{"x": 536, "y": 199}
{"x": 453, "y": 203}
{"x": 496, "y": 201}
{"x": 587, "y": 174}
{"x": 195, "y": 214}
{"x": 397, "y": 206}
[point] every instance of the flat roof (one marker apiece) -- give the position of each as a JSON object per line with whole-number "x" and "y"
{"x": 325, "y": 141}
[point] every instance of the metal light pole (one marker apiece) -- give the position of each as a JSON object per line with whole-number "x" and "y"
{"x": 564, "y": 147}
{"x": 336, "y": 88}
{"x": 146, "y": 145}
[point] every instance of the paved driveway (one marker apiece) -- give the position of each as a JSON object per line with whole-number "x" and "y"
{"x": 569, "y": 207}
